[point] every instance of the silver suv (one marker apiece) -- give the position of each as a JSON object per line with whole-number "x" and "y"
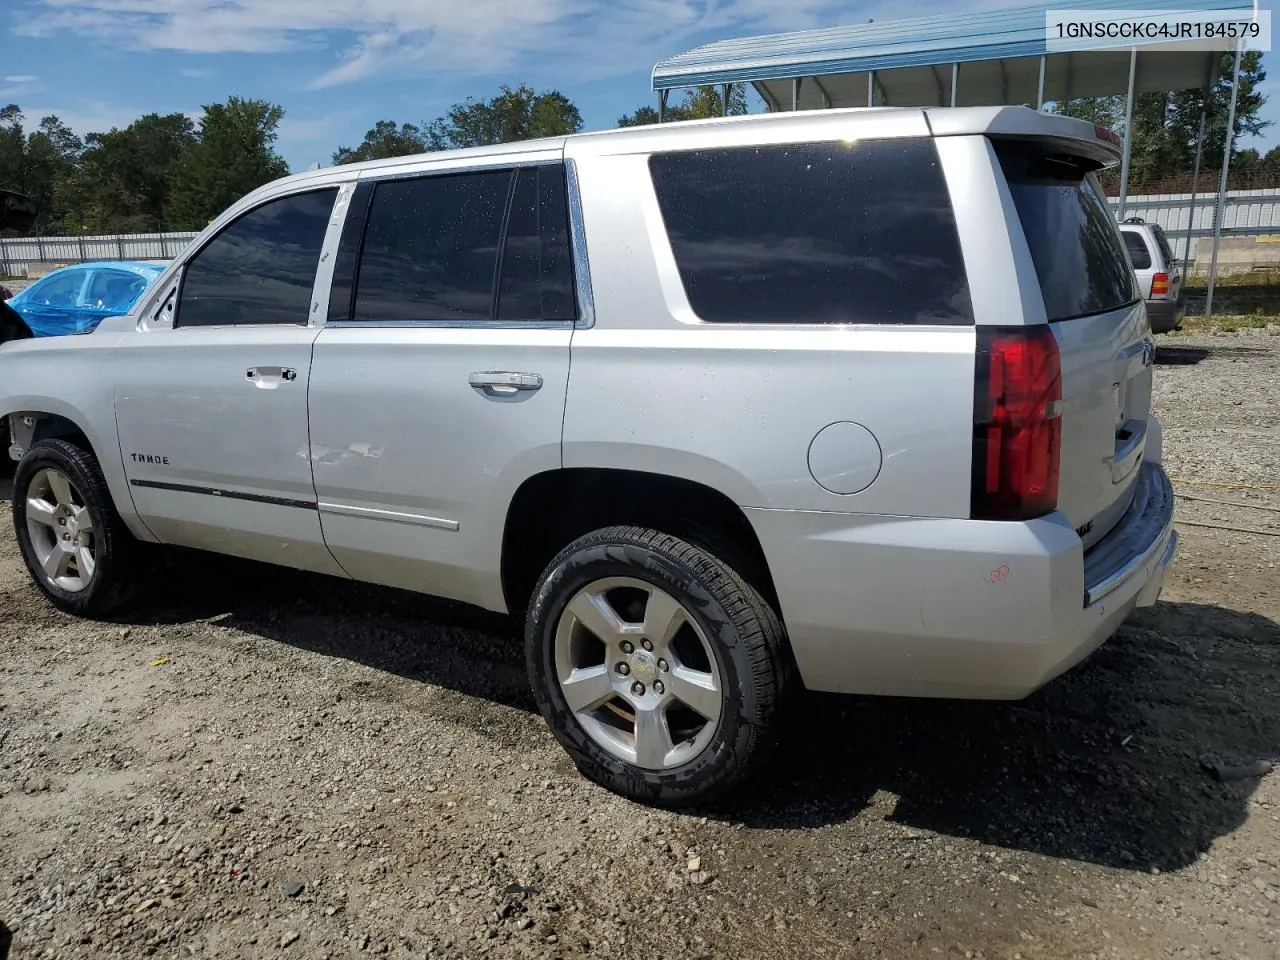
{"x": 1159, "y": 278}
{"x": 853, "y": 400}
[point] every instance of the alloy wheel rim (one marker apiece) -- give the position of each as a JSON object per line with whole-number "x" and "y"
{"x": 638, "y": 673}
{"x": 61, "y": 531}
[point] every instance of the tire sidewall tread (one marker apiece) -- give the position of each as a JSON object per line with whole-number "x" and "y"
{"x": 114, "y": 576}
{"x": 745, "y": 634}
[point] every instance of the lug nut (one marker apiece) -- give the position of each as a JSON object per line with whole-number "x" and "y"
{"x": 663, "y": 666}
{"x": 623, "y": 669}
{"x": 658, "y": 688}
{"x": 627, "y": 646}
{"x": 647, "y": 644}
{"x": 638, "y": 688}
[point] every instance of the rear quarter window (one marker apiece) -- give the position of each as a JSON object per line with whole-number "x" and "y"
{"x": 1166, "y": 251}
{"x": 1136, "y": 246}
{"x": 840, "y": 232}
{"x": 1074, "y": 241}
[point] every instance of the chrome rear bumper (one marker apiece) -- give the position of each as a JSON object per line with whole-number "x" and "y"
{"x": 1142, "y": 544}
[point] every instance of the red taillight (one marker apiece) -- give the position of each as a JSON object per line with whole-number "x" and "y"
{"x": 1017, "y": 423}
{"x": 1160, "y": 285}
{"x": 1103, "y": 133}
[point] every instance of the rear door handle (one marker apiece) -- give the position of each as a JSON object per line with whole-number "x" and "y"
{"x": 268, "y": 378}
{"x": 504, "y": 382}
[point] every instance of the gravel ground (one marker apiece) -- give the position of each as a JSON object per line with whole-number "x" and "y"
{"x": 258, "y": 764}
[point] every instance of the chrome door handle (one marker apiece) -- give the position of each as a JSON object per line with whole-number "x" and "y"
{"x": 505, "y": 382}
{"x": 268, "y": 378}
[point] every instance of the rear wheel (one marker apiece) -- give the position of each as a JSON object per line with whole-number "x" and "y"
{"x": 657, "y": 667}
{"x": 73, "y": 542}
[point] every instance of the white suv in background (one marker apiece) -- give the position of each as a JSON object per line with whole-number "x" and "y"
{"x": 853, "y": 399}
{"x": 1157, "y": 270}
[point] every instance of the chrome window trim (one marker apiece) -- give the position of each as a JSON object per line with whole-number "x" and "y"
{"x": 323, "y": 284}
{"x": 497, "y": 163}
{"x": 454, "y": 324}
{"x": 578, "y": 248}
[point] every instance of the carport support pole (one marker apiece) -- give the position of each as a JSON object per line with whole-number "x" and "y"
{"x": 1040, "y": 86}
{"x": 662, "y": 105}
{"x": 724, "y": 99}
{"x": 1222, "y": 180}
{"x": 1128, "y": 133}
{"x": 955, "y": 82}
{"x": 871, "y": 88}
{"x": 795, "y": 92}
{"x": 1195, "y": 185}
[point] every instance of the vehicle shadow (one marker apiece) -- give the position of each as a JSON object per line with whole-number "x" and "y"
{"x": 452, "y": 645}
{"x": 6, "y": 941}
{"x": 1180, "y": 356}
{"x": 1103, "y": 765}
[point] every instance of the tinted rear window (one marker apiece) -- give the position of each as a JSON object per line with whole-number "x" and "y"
{"x": 1137, "y": 247}
{"x": 537, "y": 265}
{"x": 1074, "y": 240}
{"x": 815, "y": 233}
{"x": 431, "y": 248}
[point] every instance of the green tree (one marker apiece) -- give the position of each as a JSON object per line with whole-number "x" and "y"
{"x": 642, "y": 117}
{"x": 235, "y": 153}
{"x": 1166, "y": 125}
{"x": 514, "y": 114}
{"x": 699, "y": 103}
{"x": 32, "y": 162}
{"x": 122, "y": 182}
{"x": 383, "y": 141}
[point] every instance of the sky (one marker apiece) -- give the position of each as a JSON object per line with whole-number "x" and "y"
{"x": 337, "y": 66}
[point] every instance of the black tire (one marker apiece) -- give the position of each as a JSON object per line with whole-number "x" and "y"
{"x": 743, "y": 630}
{"x": 114, "y": 575}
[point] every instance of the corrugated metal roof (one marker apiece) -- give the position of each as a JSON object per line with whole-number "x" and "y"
{"x": 889, "y": 45}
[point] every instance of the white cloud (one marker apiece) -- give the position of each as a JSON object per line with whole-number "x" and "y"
{"x": 574, "y": 37}
{"x": 559, "y": 40}
{"x": 202, "y": 73}
{"x": 20, "y": 78}
{"x": 85, "y": 117}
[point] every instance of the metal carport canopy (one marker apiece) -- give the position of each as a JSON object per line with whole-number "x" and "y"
{"x": 909, "y": 62}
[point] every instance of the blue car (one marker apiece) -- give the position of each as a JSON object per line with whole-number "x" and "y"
{"x": 76, "y": 299}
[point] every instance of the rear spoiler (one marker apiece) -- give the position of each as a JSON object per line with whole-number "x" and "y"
{"x": 1075, "y": 136}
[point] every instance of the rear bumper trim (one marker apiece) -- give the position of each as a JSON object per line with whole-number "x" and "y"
{"x": 1144, "y": 534}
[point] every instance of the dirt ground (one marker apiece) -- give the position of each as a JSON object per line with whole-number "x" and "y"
{"x": 257, "y": 764}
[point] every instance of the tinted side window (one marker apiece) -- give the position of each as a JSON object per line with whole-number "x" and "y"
{"x": 1137, "y": 247}
{"x": 1073, "y": 237}
{"x": 262, "y": 268}
{"x": 815, "y": 233}
{"x": 1166, "y": 251}
{"x": 115, "y": 290}
{"x": 61, "y": 290}
{"x": 430, "y": 248}
{"x": 537, "y": 265}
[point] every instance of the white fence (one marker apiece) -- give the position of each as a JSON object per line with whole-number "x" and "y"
{"x": 1244, "y": 213}
{"x": 17, "y": 253}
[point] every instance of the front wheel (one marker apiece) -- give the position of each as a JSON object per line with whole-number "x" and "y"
{"x": 657, "y": 667}
{"x": 72, "y": 539}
